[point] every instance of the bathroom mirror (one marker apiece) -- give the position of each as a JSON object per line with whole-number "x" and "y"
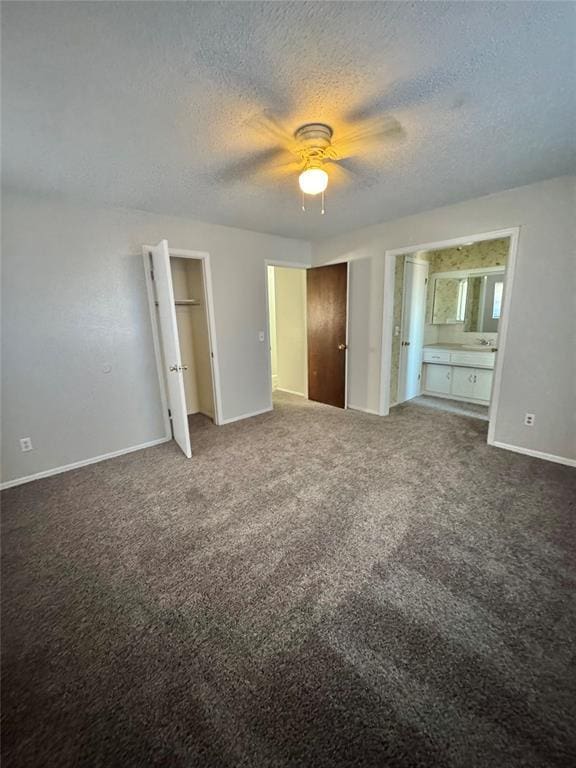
{"x": 473, "y": 300}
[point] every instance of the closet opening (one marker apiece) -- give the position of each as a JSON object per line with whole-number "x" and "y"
{"x": 179, "y": 287}
{"x": 193, "y": 336}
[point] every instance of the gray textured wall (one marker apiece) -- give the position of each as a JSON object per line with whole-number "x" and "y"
{"x": 74, "y": 301}
{"x": 539, "y": 367}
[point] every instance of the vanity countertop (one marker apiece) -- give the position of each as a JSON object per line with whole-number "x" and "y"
{"x": 463, "y": 347}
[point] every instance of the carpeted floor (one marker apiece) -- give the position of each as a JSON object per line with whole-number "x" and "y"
{"x": 315, "y": 588}
{"x": 454, "y": 406}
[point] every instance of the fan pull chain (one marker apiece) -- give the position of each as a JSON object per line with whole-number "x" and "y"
{"x": 303, "y": 202}
{"x": 323, "y": 210}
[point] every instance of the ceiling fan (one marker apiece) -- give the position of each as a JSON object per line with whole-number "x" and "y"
{"x": 317, "y": 155}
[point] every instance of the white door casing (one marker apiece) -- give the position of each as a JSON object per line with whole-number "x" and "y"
{"x": 170, "y": 344}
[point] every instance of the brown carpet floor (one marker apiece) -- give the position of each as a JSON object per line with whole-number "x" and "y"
{"x": 454, "y": 406}
{"x": 315, "y": 588}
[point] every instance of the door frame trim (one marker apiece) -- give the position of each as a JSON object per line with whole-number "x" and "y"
{"x": 513, "y": 233}
{"x": 204, "y": 258}
{"x": 298, "y": 265}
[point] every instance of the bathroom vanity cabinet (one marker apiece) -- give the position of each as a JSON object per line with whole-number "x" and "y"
{"x": 459, "y": 373}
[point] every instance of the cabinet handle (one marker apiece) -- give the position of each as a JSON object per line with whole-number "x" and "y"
{"x": 471, "y": 379}
{"x": 475, "y": 379}
{"x": 448, "y": 375}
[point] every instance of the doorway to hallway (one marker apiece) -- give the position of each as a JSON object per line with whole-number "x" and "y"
{"x": 308, "y": 331}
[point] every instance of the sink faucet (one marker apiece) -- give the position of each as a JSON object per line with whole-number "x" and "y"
{"x": 486, "y": 342}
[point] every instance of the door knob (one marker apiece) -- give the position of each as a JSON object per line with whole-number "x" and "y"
{"x": 342, "y": 347}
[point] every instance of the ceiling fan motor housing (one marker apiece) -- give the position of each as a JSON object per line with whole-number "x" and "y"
{"x": 315, "y": 140}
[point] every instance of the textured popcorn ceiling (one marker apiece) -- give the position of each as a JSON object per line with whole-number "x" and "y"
{"x": 149, "y": 105}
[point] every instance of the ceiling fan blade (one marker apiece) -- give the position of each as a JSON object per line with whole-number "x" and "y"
{"x": 248, "y": 165}
{"x": 349, "y": 171}
{"x": 367, "y": 135}
{"x": 284, "y": 170}
{"x": 267, "y": 125}
{"x": 339, "y": 175}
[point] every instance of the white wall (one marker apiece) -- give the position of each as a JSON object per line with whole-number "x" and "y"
{"x": 74, "y": 301}
{"x": 291, "y": 337}
{"x": 539, "y": 370}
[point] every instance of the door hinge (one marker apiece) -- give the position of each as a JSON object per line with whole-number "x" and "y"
{"x": 152, "y": 274}
{"x": 425, "y": 281}
{"x": 212, "y": 355}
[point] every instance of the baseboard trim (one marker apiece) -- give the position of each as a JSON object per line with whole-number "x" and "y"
{"x": 535, "y": 454}
{"x": 245, "y": 416}
{"x": 291, "y": 392}
{"x": 79, "y": 464}
{"x": 351, "y": 407}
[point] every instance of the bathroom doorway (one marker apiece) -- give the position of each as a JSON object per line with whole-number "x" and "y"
{"x": 457, "y": 323}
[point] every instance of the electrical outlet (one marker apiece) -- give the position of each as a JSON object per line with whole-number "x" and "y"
{"x": 529, "y": 419}
{"x": 25, "y": 444}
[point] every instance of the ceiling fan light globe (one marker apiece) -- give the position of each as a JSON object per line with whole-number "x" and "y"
{"x": 312, "y": 181}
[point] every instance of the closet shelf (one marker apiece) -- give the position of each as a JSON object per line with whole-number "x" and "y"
{"x": 185, "y": 302}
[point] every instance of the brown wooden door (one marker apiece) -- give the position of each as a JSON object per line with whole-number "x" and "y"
{"x": 326, "y": 292}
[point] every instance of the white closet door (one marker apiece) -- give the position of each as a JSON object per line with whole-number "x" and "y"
{"x": 171, "y": 345}
{"x": 412, "y": 339}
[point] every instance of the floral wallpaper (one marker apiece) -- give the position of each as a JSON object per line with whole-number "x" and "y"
{"x": 489, "y": 253}
{"x": 445, "y": 300}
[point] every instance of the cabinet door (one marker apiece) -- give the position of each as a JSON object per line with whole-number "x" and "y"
{"x": 483, "y": 383}
{"x": 463, "y": 382}
{"x": 438, "y": 378}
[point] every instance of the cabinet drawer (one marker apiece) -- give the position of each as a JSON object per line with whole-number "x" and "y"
{"x": 436, "y": 356}
{"x": 473, "y": 359}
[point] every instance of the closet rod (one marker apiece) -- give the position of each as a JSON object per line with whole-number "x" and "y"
{"x": 185, "y": 302}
